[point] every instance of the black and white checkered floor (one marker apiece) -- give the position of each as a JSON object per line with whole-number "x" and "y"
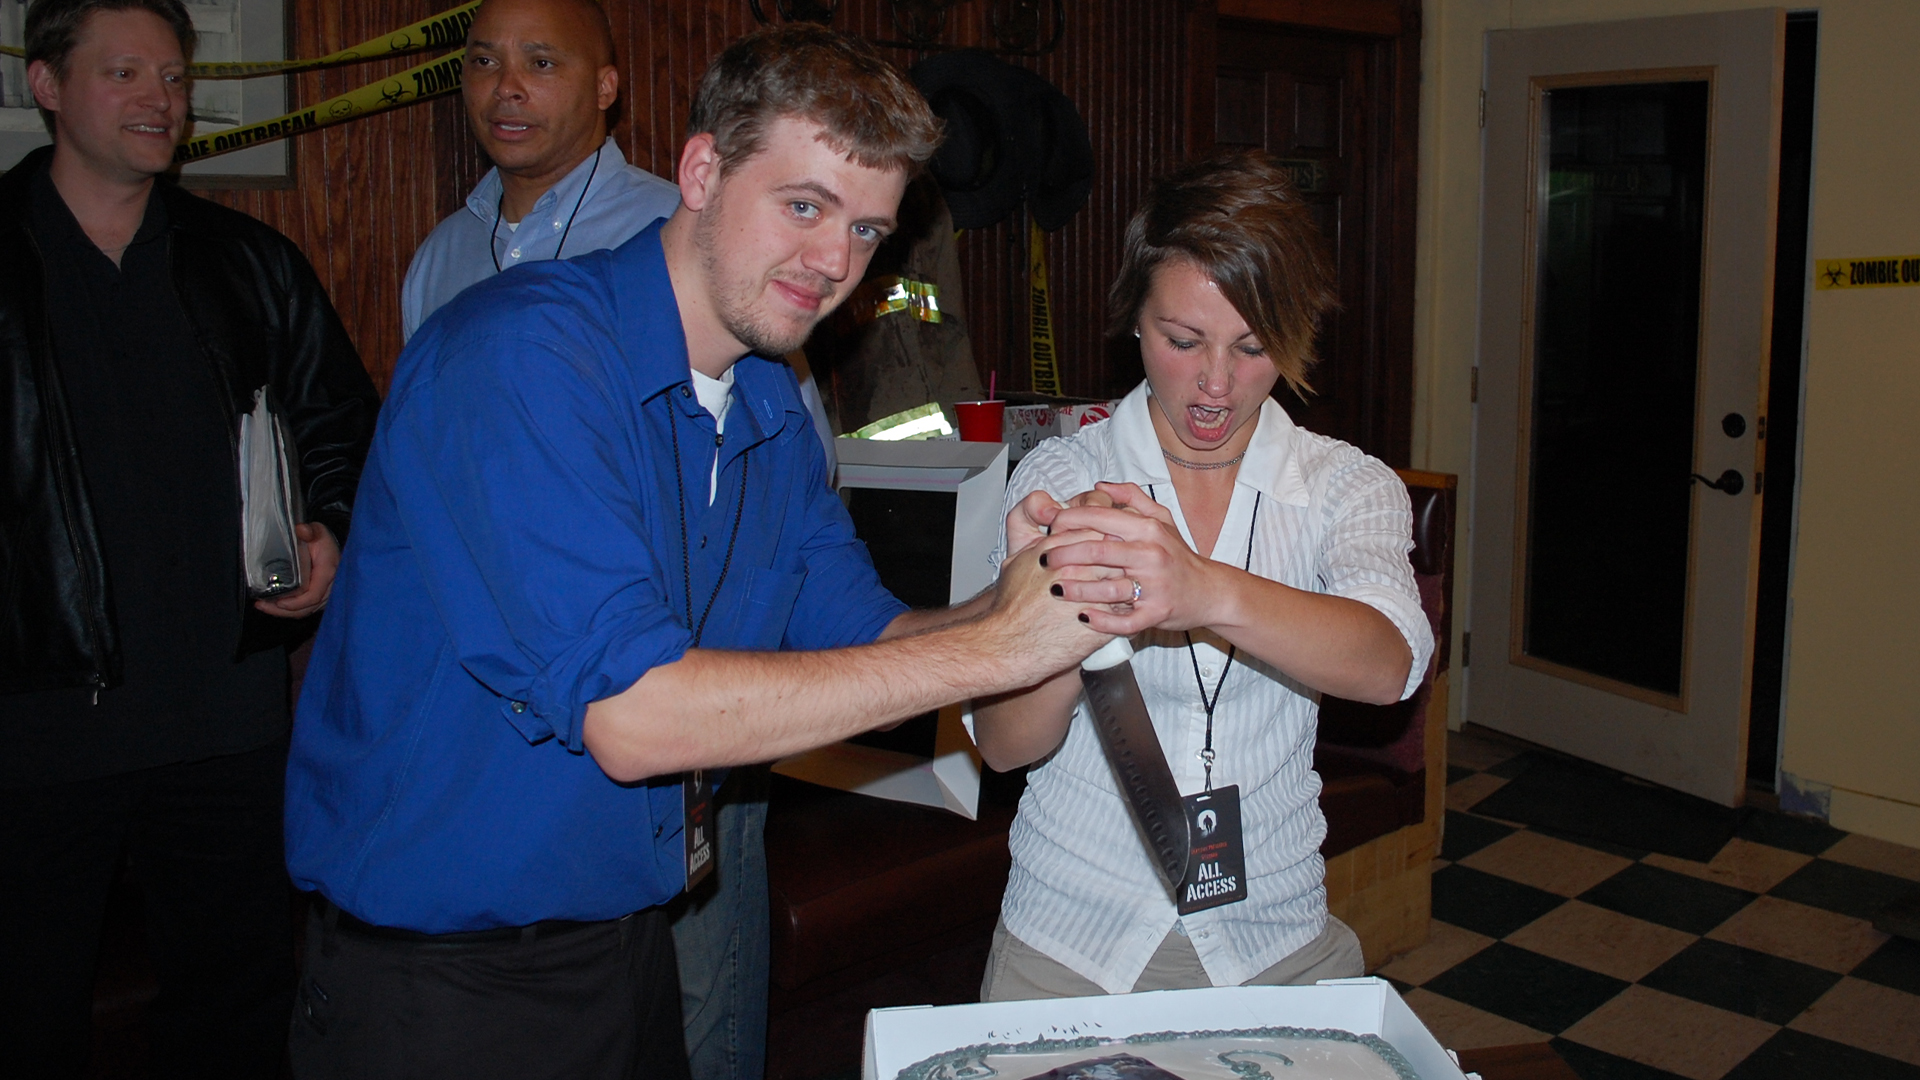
{"x": 1761, "y": 963}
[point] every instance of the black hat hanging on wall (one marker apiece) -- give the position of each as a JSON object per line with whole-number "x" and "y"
{"x": 1011, "y": 135}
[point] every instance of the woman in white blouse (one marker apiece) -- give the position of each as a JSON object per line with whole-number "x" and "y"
{"x": 1255, "y": 566}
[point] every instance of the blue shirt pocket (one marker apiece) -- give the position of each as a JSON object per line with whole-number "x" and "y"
{"x": 764, "y": 611}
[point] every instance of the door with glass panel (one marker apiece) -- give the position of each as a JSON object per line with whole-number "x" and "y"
{"x": 1627, "y": 266}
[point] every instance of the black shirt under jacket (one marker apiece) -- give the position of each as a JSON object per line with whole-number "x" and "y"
{"x": 160, "y": 464}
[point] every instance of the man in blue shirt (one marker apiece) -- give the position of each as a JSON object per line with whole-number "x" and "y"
{"x": 594, "y": 551}
{"x": 540, "y": 76}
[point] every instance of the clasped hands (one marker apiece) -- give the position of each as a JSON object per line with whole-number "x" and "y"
{"x": 1115, "y": 546}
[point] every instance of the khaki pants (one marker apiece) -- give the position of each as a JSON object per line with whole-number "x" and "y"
{"x": 1016, "y": 971}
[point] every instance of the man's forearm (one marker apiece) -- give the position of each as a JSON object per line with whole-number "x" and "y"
{"x": 713, "y": 708}
{"x": 921, "y": 620}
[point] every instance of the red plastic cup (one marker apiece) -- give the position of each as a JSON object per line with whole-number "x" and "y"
{"x": 982, "y": 421}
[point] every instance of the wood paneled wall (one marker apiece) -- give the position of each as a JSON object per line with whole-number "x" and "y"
{"x": 369, "y": 191}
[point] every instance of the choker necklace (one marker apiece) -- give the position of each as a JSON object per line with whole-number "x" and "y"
{"x": 1202, "y": 465}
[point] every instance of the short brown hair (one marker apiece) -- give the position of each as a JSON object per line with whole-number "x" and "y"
{"x": 53, "y": 28}
{"x": 870, "y": 111}
{"x": 1237, "y": 218}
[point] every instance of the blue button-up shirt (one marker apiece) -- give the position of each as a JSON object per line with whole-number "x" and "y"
{"x": 621, "y": 200}
{"x": 518, "y": 553}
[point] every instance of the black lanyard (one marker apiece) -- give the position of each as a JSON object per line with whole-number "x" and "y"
{"x": 1208, "y": 703}
{"x": 500, "y": 210}
{"x": 686, "y": 559}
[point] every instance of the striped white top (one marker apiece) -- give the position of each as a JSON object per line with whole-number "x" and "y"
{"x": 1083, "y": 889}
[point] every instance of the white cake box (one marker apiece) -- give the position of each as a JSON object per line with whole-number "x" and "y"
{"x": 899, "y": 1038}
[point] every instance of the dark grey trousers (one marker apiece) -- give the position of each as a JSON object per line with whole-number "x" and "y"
{"x": 598, "y": 1003}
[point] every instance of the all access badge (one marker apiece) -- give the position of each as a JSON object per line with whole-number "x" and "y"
{"x": 697, "y": 792}
{"x": 1217, "y": 867}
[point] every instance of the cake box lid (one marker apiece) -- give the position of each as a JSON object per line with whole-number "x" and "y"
{"x": 901, "y": 1037}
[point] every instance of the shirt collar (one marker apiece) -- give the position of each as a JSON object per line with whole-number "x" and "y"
{"x": 50, "y": 210}
{"x": 1271, "y": 466}
{"x": 557, "y": 203}
{"x": 639, "y": 278}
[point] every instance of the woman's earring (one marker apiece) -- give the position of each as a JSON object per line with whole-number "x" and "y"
{"x": 1136, "y": 331}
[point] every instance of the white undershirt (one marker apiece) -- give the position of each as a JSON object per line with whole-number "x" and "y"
{"x": 715, "y": 396}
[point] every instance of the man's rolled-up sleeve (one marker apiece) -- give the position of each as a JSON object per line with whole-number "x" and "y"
{"x": 841, "y": 601}
{"x": 516, "y": 473}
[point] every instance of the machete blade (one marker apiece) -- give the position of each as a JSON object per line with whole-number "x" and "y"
{"x": 1133, "y": 753}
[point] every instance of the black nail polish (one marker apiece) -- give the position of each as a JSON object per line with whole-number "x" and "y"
{"x": 1057, "y": 591}
{"x": 1043, "y": 560}
{"x": 1083, "y": 617}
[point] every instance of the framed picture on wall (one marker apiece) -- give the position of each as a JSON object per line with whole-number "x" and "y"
{"x": 228, "y": 30}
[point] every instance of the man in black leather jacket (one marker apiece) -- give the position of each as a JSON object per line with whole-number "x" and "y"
{"x": 143, "y": 696}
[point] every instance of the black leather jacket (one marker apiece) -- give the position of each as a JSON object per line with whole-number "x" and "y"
{"x": 260, "y": 316}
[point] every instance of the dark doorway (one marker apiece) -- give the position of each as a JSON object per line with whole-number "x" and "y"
{"x": 1616, "y": 358}
{"x": 1782, "y": 431}
{"x": 1326, "y": 103}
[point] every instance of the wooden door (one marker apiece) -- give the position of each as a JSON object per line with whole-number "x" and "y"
{"x": 1315, "y": 101}
{"x": 1628, "y": 220}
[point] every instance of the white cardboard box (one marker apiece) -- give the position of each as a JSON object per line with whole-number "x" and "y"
{"x": 1074, "y": 417}
{"x": 1026, "y": 425}
{"x": 976, "y": 474}
{"x": 899, "y": 1038}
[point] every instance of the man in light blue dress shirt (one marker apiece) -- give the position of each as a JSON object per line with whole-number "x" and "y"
{"x": 601, "y": 203}
{"x": 539, "y": 78}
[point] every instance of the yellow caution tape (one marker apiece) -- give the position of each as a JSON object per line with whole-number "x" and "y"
{"x": 1862, "y": 273}
{"x": 1045, "y": 359}
{"x": 886, "y": 295}
{"x": 431, "y": 79}
{"x": 446, "y": 30}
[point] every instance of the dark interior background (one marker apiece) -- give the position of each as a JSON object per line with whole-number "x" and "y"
{"x": 369, "y": 191}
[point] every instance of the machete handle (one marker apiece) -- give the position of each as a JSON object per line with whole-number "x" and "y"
{"x": 1112, "y": 654}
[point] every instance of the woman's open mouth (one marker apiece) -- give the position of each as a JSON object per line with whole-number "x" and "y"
{"x": 1208, "y": 423}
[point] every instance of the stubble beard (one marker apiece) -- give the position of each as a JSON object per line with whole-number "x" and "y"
{"x": 733, "y": 294}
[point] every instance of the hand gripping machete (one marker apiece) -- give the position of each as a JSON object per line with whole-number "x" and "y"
{"x": 1133, "y": 753}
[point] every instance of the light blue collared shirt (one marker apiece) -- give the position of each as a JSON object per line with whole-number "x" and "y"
{"x": 621, "y": 200}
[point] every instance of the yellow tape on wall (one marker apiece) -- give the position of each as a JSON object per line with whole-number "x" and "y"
{"x": 431, "y": 79}
{"x": 1045, "y": 359}
{"x": 1876, "y": 272}
{"x": 443, "y": 31}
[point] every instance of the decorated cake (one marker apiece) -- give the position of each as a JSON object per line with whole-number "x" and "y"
{"x": 1266, "y": 1053}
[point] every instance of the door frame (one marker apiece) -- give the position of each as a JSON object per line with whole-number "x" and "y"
{"x": 1391, "y": 29}
{"x": 1704, "y": 760}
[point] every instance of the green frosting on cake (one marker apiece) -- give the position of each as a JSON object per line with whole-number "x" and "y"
{"x": 970, "y": 1062}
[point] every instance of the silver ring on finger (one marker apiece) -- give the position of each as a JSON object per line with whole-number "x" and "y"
{"x": 1136, "y": 590}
